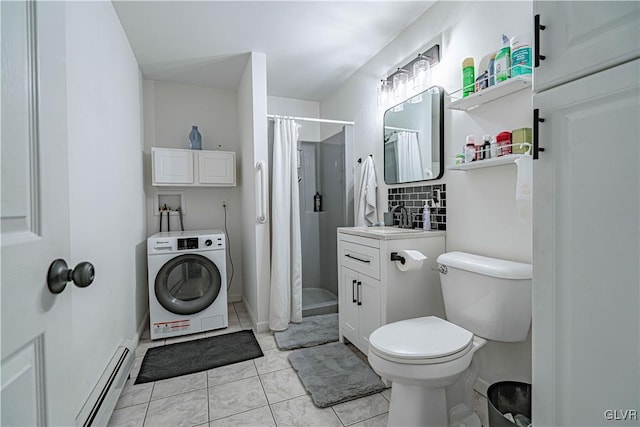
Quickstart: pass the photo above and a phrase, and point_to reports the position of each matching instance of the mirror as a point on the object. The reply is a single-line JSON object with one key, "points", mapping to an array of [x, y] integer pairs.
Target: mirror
{"points": [[414, 138]]}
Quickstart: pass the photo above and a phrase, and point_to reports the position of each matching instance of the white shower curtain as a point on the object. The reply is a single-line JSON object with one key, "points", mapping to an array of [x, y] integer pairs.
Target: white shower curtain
{"points": [[286, 252], [409, 157]]}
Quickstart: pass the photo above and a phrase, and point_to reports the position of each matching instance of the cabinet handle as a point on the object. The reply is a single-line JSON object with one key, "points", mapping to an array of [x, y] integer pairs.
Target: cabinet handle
{"points": [[359, 295], [536, 146], [537, 28], [353, 290], [358, 259]]}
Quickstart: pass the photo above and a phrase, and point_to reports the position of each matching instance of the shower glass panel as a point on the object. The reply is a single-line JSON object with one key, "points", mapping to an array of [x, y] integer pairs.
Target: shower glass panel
{"points": [[322, 169]]}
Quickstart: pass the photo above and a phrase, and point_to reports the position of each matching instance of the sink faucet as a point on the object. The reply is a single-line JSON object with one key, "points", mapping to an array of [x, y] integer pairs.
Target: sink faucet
{"points": [[405, 221]]}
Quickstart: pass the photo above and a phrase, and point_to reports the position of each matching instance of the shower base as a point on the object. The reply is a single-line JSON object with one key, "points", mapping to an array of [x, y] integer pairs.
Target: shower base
{"points": [[316, 301]]}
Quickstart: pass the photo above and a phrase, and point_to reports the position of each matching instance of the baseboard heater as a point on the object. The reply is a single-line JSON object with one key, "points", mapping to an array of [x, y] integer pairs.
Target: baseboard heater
{"points": [[102, 400]]}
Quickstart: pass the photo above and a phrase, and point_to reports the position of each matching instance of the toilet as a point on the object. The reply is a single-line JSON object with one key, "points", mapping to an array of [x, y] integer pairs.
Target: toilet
{"points": [[484, 299]]}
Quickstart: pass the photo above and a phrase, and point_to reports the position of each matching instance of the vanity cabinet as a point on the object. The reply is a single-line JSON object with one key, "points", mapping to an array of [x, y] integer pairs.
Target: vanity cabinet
{"points": [[176, 167], [361, 314], [373, 292]]}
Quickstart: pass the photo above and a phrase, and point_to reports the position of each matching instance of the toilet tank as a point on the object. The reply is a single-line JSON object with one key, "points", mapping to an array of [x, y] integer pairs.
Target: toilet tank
{"points": [[487, 296]]}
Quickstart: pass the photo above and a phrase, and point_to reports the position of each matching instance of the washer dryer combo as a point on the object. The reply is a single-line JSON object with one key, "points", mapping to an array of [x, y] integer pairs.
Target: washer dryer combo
{"points": [[187, 282]]}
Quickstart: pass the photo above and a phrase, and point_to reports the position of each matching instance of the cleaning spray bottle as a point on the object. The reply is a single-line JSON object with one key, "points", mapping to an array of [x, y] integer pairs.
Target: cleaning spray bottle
{"points": [[426, 216], [502, 63]]}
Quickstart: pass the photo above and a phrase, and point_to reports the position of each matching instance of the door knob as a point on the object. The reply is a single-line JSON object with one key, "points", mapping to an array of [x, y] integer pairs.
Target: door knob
{"points": [[59, 274]]}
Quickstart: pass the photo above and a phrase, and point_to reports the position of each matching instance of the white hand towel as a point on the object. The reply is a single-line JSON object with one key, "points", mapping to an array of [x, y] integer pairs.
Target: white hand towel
{"points": [[366, 203], [524, 187]]}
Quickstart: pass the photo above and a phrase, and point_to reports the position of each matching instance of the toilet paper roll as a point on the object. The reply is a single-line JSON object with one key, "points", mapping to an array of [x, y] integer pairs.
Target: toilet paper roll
{"points": [[412, 260]]}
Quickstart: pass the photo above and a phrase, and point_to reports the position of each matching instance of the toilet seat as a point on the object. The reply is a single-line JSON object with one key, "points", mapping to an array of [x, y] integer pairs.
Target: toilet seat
{"points": [[424, 340]]}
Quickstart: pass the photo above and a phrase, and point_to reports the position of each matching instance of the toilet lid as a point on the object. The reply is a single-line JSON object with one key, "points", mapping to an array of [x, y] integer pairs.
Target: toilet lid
{"points": [[421, 338]]}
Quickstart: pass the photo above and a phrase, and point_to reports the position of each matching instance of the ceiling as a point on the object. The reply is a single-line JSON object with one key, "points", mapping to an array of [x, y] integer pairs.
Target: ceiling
{"points": [[312, 47]]}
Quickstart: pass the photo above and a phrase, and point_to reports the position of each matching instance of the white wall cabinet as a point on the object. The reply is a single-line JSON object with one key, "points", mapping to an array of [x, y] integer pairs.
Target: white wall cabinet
{"points": [[582, 38], [373, 292], [175, 167], [586, 224]]}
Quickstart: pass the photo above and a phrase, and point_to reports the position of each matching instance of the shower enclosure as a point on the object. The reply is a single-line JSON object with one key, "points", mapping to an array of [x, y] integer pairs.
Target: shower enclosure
{"points": [[321, 169]]}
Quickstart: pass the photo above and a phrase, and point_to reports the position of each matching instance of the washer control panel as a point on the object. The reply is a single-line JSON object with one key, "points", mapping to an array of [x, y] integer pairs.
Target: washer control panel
{"points": [[185, 241], [188, 243]]}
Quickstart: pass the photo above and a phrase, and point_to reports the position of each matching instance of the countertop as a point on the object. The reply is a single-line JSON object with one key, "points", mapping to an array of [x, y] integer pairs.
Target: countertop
{"points": [[390, 233]]}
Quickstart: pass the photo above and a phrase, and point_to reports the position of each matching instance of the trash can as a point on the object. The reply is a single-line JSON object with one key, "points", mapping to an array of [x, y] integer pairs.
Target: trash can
{"points": [[509, 397]]}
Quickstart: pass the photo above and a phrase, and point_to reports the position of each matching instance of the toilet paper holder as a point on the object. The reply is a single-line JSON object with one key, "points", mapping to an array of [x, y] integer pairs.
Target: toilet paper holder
{"points": [[396, 257]]}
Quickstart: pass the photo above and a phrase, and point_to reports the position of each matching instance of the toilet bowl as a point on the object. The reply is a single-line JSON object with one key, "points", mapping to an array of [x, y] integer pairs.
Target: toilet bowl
{"points": [[423, 356]]}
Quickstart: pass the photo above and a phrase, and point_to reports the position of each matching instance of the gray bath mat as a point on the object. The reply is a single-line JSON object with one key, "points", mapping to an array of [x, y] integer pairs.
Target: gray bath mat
{"points": [[333, 374], [187, 357], [314, 330]]}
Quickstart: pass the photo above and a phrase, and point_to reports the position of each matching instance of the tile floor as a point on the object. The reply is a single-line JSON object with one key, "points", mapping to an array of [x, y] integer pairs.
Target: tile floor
{"points": [[260, 392]]}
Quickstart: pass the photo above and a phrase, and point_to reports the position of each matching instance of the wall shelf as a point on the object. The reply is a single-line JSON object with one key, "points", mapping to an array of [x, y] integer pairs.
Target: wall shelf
{"points": [[478, 164], [492, 93]]}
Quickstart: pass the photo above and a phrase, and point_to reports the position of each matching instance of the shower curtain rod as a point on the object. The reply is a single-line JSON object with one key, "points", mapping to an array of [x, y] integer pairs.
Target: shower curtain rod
{"points": [[308, 119], [401, 129]]}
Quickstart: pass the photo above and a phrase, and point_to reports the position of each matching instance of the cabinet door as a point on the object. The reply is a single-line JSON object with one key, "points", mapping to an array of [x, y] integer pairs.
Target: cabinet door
{"points": [[586, 249], [585, 37], [348, 304], [369, 312], [217, 167], [172, 166]]}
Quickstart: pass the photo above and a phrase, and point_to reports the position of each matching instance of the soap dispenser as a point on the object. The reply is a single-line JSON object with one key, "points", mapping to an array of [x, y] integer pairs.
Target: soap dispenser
{"points": [[426, 216]]}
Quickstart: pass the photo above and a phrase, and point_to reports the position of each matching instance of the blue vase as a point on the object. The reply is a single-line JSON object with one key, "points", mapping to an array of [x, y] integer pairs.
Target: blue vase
{"points": [[195, 139]]}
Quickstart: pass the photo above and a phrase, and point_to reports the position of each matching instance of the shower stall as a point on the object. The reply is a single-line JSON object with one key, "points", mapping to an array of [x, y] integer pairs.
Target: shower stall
{"points": [[322, 170]]}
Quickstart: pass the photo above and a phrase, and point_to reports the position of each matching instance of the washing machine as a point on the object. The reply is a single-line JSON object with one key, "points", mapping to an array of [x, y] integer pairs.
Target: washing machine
{"points": [[187, 282]]}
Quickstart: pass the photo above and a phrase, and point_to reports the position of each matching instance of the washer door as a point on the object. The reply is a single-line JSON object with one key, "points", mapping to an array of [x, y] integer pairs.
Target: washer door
{"points": [[188, 284]]}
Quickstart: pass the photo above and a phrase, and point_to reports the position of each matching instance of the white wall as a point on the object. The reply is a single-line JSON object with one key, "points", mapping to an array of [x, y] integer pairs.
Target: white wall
{"points": [[106, 194], [252, 120], [170, 109], [481, 209], [310, 131]]}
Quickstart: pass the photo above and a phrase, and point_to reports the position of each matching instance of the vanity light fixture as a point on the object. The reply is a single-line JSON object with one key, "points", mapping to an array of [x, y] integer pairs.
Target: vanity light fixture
{"points": [[384, 93], [403, 84], [400, 82]]}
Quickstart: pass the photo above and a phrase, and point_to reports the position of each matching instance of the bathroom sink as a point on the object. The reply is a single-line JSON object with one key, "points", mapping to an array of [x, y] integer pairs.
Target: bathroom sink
{"points": [[389, 230], [390, 233]]}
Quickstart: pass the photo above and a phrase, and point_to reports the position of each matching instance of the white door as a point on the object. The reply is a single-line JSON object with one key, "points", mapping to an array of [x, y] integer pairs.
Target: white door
{"points": [[584, 37], [348, 303], [37, 356], [586, 252], [369, 309]]}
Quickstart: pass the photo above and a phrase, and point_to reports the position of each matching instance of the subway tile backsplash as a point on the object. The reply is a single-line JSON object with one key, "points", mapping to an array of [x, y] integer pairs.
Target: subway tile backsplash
{"points": [[413, 199]]}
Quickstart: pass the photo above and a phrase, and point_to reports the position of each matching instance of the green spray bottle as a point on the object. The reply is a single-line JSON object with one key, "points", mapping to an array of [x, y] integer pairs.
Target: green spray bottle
{"points": [[502, 63]]}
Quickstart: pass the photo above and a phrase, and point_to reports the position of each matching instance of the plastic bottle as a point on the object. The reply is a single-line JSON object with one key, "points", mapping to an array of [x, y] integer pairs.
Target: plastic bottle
{"points": [[486, 146], [520, 55], [426, 217], [195, 139], [494, 148], [492, 70], [470, 149], [317, 202], [504, 143], [468, 77], [479, 151], [502, 63]]}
